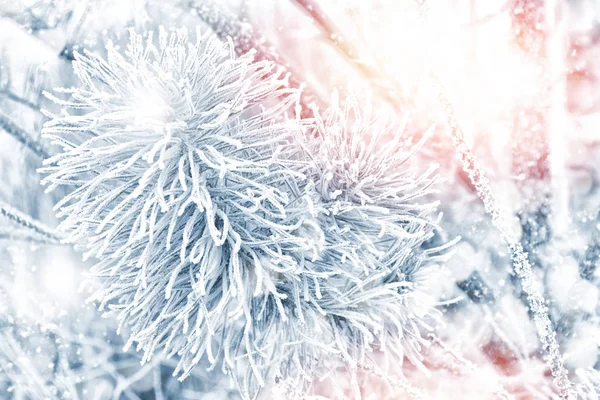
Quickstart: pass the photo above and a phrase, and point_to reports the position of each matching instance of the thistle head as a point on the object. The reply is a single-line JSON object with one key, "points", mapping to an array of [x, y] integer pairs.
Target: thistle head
{"points": [[170, 151], [371, 273]]}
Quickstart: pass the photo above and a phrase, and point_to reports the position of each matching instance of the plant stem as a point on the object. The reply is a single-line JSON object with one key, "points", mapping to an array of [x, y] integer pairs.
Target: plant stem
{"points": [[28, 223], [389, 91], [22, 137], [521, 265], [20, 100]]}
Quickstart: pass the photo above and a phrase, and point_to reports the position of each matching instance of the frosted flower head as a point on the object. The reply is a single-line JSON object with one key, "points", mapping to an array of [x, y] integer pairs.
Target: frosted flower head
{"points": [[171, 154], [372, 269], [365, 190], [360, 156]]}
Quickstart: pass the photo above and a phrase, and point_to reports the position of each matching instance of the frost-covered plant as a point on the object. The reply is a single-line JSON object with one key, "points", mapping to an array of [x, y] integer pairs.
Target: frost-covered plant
{"points": [[219, 236], [373, 260], [79, 356], [177, 191], [361, 290]]}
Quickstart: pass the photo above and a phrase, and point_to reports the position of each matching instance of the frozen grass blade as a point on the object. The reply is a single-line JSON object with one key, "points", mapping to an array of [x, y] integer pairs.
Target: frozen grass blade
{"points": [[22, 137], [28, 223], [521, 265]]}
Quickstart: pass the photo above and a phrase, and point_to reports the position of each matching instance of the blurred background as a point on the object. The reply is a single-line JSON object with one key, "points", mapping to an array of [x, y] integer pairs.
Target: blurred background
{"points": [[523, 79]]}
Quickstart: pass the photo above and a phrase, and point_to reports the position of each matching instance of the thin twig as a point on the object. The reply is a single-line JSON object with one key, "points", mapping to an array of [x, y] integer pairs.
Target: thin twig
{"points": [[486, 18], [520, 261], [25, 237], [28, 223], [387, 88], [22, 137], [521, 265], [20, 100]]}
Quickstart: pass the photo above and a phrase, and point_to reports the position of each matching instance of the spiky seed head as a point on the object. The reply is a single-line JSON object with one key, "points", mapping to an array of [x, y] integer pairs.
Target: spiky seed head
{"points": [[377, 222], [170, 151]]}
